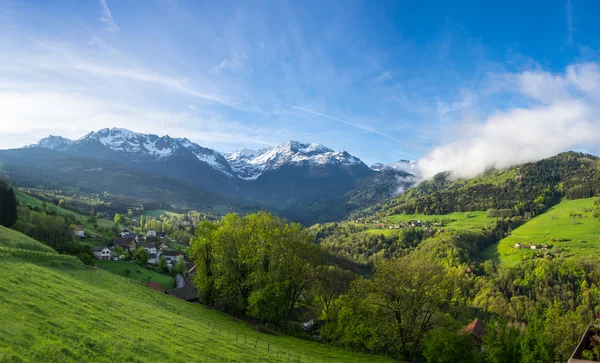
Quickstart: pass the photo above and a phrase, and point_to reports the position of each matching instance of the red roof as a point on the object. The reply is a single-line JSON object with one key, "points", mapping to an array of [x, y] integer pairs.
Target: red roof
{"points": [[476, 328], [154, 285], [79, 227]]}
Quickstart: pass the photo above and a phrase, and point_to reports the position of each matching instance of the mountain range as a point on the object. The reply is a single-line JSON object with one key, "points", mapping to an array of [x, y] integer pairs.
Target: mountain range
{"points": [[307, 182]]}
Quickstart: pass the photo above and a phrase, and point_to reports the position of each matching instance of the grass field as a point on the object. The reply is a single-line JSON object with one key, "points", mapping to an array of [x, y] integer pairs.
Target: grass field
{"points": [[119, 267], [14, 239], [457, 220], [89, 227], [72, 314], [155, 213], [570, 220]]}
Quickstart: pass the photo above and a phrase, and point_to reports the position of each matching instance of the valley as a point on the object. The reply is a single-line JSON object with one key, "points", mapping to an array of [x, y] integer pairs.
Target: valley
{"points": [[291, 288]]}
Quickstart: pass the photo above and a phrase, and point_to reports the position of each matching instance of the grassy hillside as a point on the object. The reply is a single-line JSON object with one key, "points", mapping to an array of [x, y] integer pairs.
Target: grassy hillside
{"points": [[14, 239], [136, 272], [569, 229], [89, 227], [457, 220], [72, 314], [158, 212]]}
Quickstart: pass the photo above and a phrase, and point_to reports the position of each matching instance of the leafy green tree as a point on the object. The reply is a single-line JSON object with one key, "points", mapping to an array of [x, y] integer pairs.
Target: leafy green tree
{"points": [[141, 256], [119, 251], [501, 342], [330, 282], [8, 205], [443, 346], [536, 344], [162, 265], [201, 251], [119, 219], [394, 311]]}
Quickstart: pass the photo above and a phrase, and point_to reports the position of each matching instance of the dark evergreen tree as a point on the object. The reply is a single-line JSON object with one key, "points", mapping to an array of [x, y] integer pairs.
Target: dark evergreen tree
{"points": [[8, 205]]}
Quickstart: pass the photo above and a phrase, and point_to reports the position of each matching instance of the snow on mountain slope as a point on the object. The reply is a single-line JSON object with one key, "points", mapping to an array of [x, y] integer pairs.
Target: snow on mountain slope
{"points": [[209, 156], [251, 164], [401, 165], [50, 142], [244, 164]]}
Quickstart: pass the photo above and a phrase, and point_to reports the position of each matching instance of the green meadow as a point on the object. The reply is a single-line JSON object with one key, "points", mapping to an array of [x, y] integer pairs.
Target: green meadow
{"points": [[14, 239], [136, 272], [155, 213], [456, 220], [57, 310], [569, 229], [89, 227]]}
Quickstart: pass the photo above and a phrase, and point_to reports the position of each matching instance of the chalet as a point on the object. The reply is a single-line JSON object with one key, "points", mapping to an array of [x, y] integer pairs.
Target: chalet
{"points": [[161, 235], [102, 252], [518, 245], [79, 231], [151, 233], [173, 256], [533, 247], [129, 235], [150, 247], [188, 293], [125, 243], [152, 258], [477, 330]]}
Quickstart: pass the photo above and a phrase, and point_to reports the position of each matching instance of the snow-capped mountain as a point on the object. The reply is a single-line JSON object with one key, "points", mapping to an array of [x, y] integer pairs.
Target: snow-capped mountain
{"points": [[50, 142], [407, 166], [305, 182], [242, 164], [250, 164]]}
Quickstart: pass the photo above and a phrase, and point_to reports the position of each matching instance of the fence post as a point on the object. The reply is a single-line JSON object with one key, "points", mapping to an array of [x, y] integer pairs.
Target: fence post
{"points": [[256, 343], [288, 356], [268, 348], [244, 338], [237, 332]]}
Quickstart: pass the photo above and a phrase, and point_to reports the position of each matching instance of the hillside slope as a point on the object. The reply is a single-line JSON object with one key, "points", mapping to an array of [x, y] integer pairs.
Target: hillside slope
{"points": [[74, 315], [14, 239], [524, 188], [569, 229]]}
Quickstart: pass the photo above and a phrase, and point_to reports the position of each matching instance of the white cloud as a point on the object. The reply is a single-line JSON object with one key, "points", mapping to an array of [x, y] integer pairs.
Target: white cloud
{"points": [[108, 18], [234, 63], [565, 116]]}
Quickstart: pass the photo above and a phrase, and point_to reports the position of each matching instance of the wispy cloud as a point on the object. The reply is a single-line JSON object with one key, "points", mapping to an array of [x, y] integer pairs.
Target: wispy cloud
{"points": [[383, 77], [360, 127], [234, 62], [108, 18]]}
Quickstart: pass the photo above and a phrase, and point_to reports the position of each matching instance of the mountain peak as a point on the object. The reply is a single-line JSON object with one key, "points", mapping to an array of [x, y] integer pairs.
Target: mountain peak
{"points": [[244, 163]]}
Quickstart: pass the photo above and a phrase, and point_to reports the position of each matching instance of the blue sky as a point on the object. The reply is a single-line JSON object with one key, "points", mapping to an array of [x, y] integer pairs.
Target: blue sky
{"points": [[382, 80]]}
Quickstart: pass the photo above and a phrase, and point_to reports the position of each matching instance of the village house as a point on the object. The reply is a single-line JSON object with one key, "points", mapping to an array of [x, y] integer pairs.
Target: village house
{"points": [[153, 258], [533, 247], [125, 243], [102, 253], [161, 235], [79, 231], [517, 245], [151, 233], [173, 256], [477, 330], [150, 248]]}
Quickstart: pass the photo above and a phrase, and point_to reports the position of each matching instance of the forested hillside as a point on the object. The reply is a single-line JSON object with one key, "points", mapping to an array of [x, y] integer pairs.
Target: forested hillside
{"points": [[526, 189]]}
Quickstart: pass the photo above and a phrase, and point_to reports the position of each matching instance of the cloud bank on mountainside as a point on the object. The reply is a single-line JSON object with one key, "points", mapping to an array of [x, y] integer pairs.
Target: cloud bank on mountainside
{"points": [[562, 113]]}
